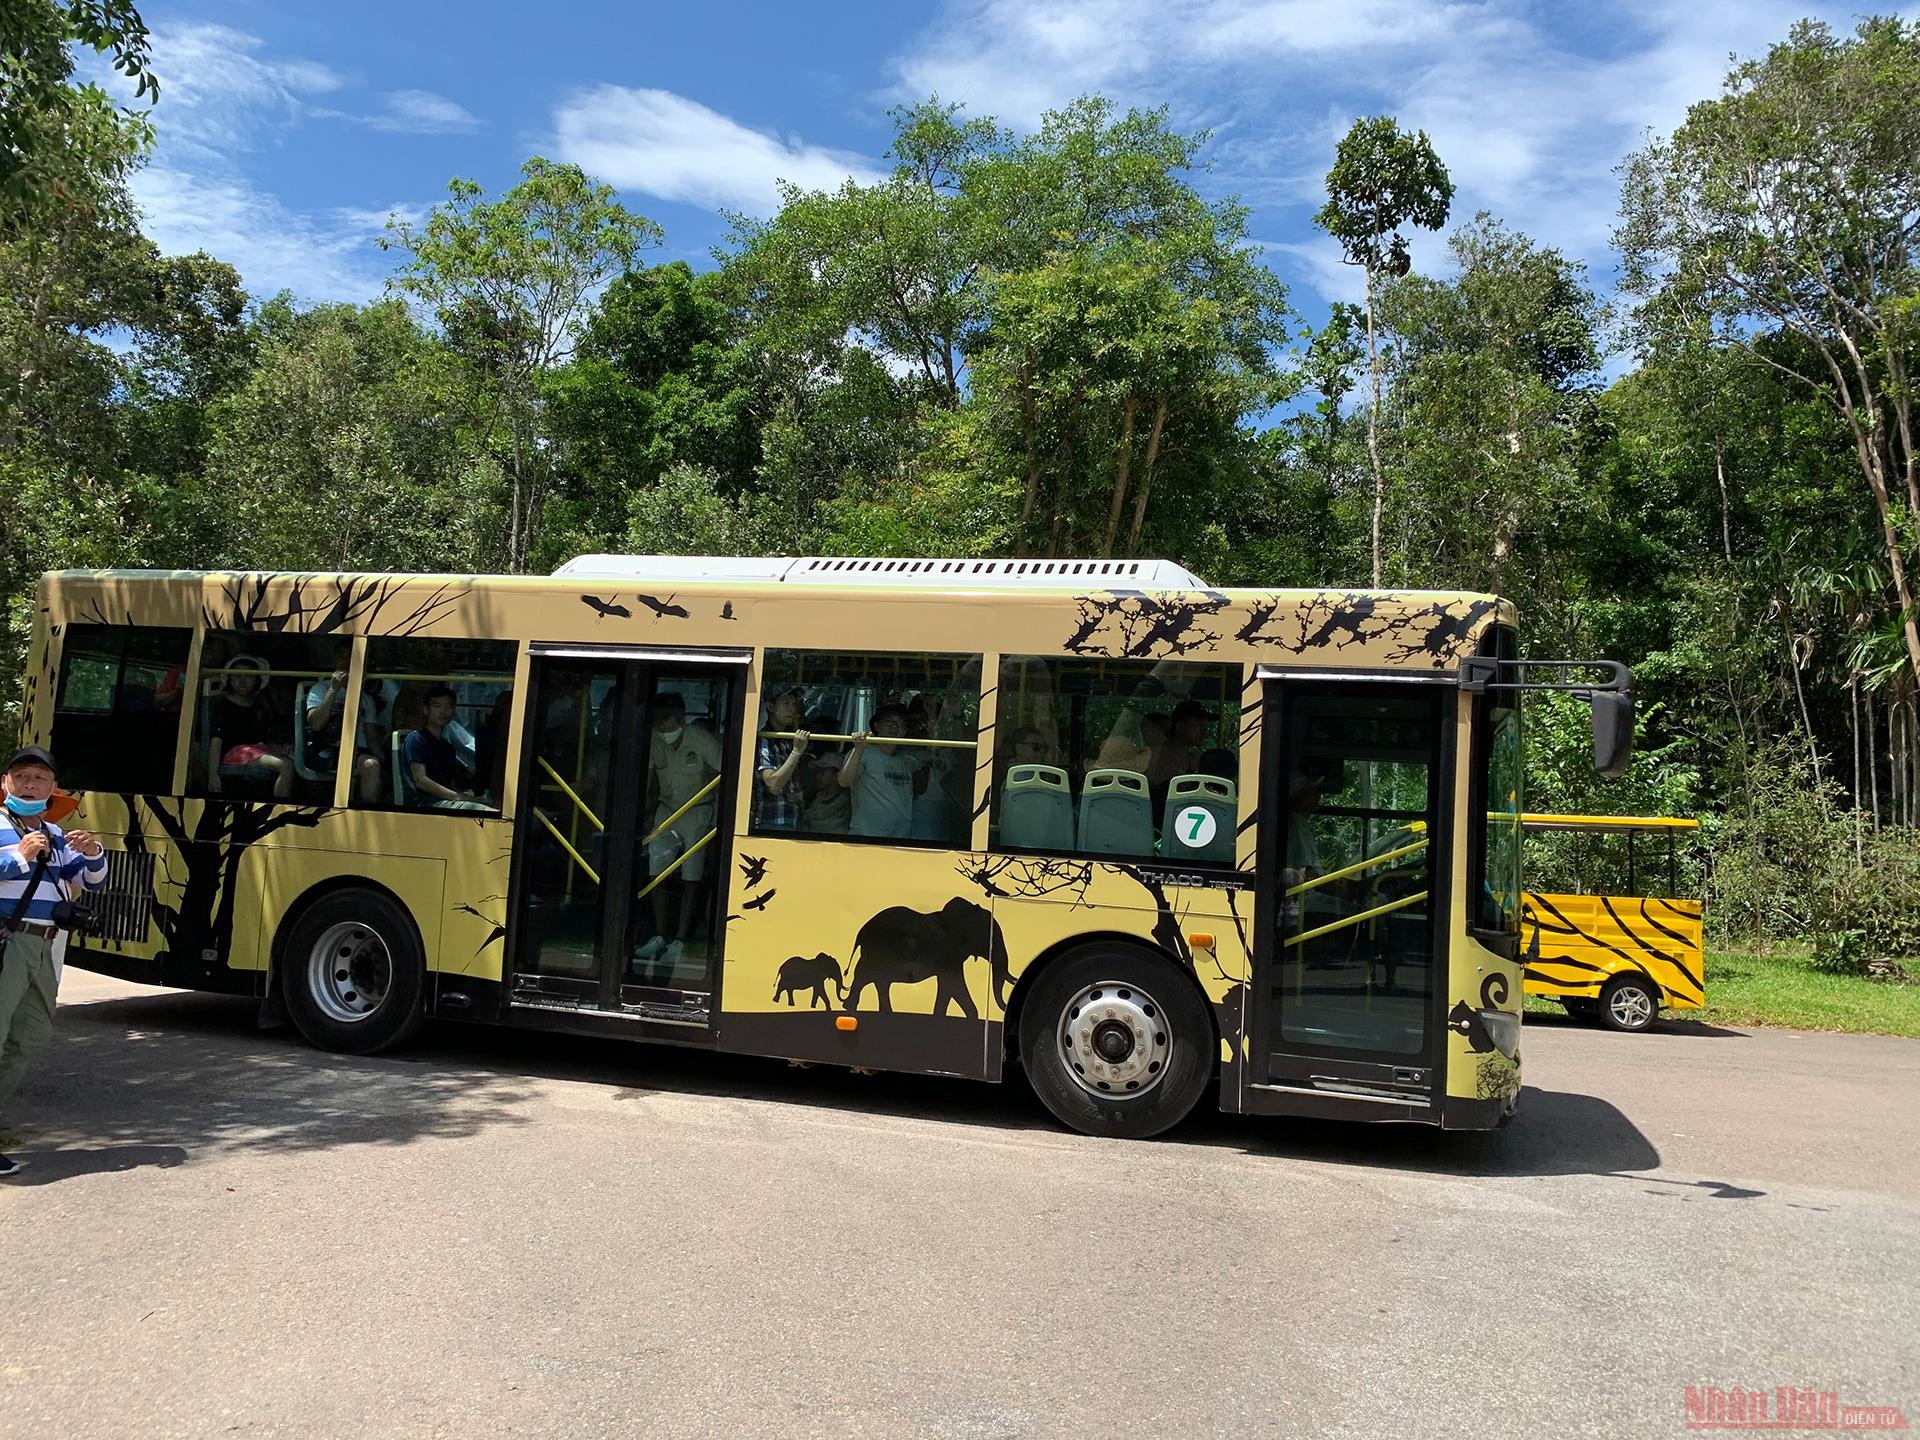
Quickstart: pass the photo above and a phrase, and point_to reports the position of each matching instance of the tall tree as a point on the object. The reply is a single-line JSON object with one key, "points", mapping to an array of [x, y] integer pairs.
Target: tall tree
{"points": [[509, 282], [1129, 325], [1792, 203], [657, 381], [1382, 178], [1495, 371]]}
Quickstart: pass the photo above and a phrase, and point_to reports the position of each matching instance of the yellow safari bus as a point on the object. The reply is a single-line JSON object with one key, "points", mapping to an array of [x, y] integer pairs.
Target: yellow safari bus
{"points": [[1093, 818], [1623, 947]]}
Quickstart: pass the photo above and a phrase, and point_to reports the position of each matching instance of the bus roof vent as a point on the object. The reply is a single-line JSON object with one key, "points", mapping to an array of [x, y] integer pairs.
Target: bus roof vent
{"points": [[901, 572]]}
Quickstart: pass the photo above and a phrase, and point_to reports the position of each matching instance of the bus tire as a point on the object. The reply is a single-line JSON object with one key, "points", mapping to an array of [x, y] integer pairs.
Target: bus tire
{"points": [[353, 973], [1116, 1042], [1629, 1003]]}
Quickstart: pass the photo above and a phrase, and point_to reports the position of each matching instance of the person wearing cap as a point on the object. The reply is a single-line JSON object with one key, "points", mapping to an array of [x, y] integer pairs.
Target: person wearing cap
{"points": [[779, 794], [29, 890], [246, 733]]}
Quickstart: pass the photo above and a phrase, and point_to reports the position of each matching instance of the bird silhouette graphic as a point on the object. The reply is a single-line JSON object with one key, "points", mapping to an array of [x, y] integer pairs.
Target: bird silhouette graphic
{"points": [[726, 612], [759, 902], [499, 930], [753, 869], [606, 608], [663, 608]]}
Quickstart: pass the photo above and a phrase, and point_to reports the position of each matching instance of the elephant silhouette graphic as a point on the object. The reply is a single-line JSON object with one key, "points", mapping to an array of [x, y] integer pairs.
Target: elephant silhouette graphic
{"points": [[903, 947], [800, 973]]}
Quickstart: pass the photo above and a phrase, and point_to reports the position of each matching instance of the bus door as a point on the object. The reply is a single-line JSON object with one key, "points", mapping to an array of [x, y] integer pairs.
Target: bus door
{"points": [[1349, 968], [621, 845]]}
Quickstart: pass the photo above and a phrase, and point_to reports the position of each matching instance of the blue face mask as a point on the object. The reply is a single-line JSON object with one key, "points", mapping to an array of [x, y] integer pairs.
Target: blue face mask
{"points": [[25, 807]]}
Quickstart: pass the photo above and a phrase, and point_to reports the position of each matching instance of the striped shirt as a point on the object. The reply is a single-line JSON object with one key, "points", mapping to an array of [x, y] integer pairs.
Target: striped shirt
{"points": [[64, 863]]}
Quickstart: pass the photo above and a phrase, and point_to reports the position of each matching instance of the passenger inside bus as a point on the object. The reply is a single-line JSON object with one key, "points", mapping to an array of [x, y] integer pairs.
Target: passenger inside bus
{"points": [[436, 776], [881, 777], [249, 733], [682, 761], [779, 797], [324, 706]]}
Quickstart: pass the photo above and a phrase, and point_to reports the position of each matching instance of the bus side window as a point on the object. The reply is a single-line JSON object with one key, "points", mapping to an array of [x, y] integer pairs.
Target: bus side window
{"points": [[435, 715], [910, 782], [251, 696], [1118, 757], [116, 713]]}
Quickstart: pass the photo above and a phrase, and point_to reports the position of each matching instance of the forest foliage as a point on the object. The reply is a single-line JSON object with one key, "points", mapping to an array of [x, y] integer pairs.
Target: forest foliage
{"points": [[1055, 343]]}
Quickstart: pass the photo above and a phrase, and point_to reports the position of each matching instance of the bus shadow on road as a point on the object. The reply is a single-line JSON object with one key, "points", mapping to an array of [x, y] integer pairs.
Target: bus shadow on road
{"points": [[1555, 1133], [158, 1079]]}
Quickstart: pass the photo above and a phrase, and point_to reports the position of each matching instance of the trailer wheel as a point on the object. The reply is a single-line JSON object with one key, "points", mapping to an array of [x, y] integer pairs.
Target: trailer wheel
{"points": [[1628, 1003]]}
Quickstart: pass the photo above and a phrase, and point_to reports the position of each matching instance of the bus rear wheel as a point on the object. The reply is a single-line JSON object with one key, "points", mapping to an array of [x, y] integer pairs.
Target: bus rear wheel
{"points": [[352, 972], [1116, 1042], [1629, 1003]]}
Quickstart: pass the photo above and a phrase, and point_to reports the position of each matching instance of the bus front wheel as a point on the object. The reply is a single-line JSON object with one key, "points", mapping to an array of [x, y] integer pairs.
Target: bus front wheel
{"points": [[1628, 1003], [1116, 1042], [352, 972]]}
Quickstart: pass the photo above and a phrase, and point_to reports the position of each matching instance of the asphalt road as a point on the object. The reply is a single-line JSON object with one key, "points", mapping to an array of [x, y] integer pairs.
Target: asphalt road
{"points": [[222, 1232]]}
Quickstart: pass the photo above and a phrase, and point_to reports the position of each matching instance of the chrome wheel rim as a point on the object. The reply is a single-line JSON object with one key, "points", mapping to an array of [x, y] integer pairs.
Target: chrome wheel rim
{"points": [[1631, 1007], [1115, 1040], [349, 972]]}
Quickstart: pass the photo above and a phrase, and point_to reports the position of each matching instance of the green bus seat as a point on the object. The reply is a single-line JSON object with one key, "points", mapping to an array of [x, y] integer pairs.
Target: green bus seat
{"points": [[1036, 809], [1216, 797], [1116, 813]]}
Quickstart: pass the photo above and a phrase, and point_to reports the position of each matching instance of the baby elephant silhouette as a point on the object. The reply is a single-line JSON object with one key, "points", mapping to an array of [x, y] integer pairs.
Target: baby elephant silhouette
{"points": [[800, 973]]}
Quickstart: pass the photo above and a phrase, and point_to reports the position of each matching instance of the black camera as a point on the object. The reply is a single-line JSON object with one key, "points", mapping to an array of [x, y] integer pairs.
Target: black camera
{"points": [[75, 915]]}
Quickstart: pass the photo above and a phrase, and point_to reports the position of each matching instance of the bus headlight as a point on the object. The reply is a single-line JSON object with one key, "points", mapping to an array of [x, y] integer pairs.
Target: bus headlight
{"points": [[1503, 1029]]}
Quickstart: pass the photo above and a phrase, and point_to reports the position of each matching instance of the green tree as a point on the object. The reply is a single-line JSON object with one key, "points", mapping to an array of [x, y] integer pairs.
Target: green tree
{"points": [[1494, 375], [340, 451], [508, 282], [1792, 203], [657, 380], [1129, 326], [45, 120], [1382, 178]]}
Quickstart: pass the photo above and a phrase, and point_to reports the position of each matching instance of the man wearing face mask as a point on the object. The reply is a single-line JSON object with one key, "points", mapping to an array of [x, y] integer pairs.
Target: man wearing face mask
{"points": [[681, 760], [36, 861]]}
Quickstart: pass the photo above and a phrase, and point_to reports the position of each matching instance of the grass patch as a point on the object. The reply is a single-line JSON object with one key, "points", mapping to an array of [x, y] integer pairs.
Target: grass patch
{"points": [[1779, 987]]}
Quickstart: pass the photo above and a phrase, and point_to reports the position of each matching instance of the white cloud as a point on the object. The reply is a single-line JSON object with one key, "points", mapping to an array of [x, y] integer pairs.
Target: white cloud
{"points": [[414, 112], [332, 256], [1318, 263], [663, 144], [218, 92], [222, 97], [1531, 107], [424, 112]]}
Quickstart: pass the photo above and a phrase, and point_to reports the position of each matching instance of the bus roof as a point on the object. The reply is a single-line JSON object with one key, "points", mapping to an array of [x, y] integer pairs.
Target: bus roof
{"points": [[1607, 822], [866, 570]]}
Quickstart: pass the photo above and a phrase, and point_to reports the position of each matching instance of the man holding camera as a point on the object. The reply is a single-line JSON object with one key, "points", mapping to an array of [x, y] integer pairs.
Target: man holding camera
{"points": [[39, 866]]}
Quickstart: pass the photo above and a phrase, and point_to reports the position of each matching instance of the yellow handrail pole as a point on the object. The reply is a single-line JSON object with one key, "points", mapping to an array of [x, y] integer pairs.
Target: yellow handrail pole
{"points": [[667, 824], [567, 790], [679, 860], [1348, 920], [876, 739], [579, 765], [1332, 875], [578, 859]]}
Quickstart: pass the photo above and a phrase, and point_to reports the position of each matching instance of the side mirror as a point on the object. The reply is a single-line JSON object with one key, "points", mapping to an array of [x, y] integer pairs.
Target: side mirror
{"points": [[1612, 731]]}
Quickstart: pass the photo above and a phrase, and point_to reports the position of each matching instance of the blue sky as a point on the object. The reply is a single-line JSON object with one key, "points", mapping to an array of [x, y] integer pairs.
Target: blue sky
{"points": [[288, 133]]}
